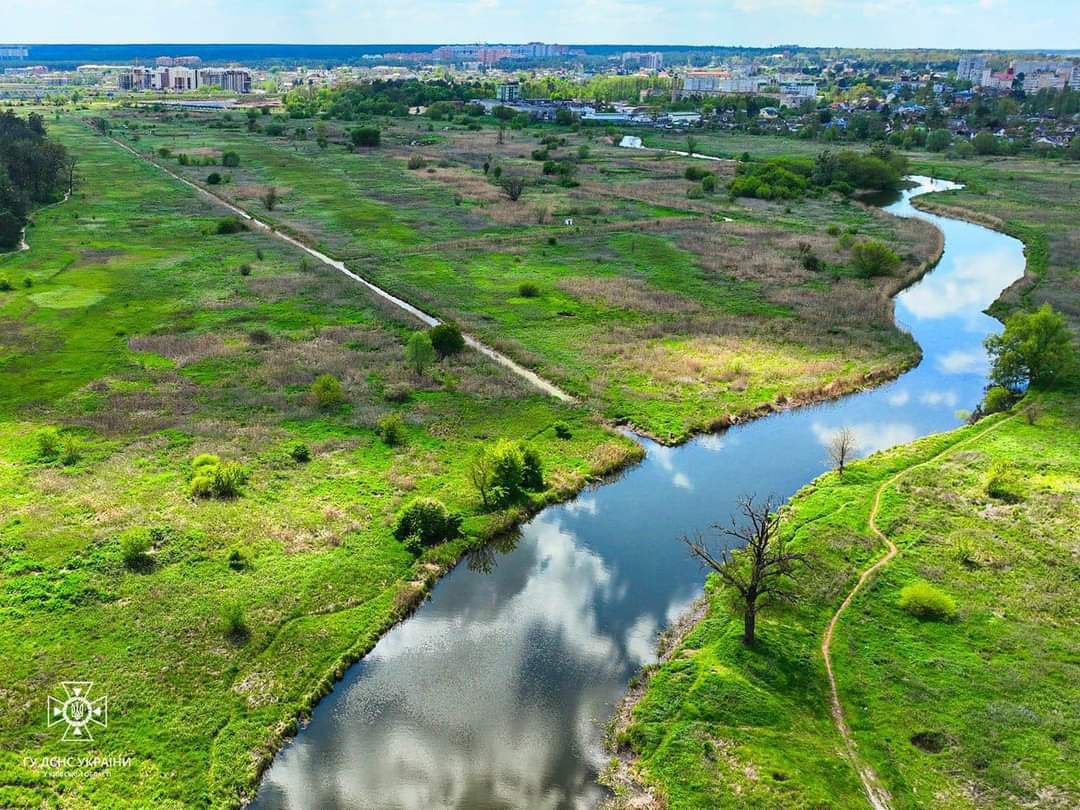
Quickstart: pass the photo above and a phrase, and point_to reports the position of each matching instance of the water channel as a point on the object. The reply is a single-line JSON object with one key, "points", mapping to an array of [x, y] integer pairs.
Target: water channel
{"points": [[495, 693]]}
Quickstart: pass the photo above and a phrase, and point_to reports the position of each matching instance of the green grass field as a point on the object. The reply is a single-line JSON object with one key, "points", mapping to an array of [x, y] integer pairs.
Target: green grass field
{"points": [[974, 712], [669, 312], [142, 341]]}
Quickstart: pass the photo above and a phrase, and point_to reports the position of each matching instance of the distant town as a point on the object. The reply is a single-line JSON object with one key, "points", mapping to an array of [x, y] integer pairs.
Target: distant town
{"points": [[1028, 101]]}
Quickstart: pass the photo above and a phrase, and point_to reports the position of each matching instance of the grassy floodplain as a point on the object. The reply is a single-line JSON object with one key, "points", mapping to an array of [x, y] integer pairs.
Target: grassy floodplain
{"points": [[977, 712], [144, 341], [669, 312]]}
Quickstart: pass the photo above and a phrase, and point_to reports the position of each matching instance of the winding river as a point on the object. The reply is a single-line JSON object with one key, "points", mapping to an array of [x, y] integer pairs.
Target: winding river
{"points": [[495, 693]]}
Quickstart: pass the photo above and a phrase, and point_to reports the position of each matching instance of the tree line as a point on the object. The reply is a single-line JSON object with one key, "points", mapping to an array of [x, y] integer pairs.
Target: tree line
{"points": [[33, 170]]}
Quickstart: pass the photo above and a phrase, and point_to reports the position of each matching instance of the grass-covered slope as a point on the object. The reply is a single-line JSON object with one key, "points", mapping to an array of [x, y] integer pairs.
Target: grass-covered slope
{"points": [[144, 341], [979, 711]]}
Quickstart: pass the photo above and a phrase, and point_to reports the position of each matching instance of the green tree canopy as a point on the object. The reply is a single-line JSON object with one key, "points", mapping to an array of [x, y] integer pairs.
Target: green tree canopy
{"points": [[1035, 349]]}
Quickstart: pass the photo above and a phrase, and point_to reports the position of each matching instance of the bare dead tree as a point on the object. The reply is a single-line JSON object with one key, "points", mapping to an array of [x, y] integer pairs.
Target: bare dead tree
{"points": [[842, 448], [761, 570], [513, 187], [270, 198]]}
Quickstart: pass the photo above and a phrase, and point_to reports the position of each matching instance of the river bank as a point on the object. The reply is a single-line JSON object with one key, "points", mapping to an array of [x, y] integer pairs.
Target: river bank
{"points": [[607, 534]]}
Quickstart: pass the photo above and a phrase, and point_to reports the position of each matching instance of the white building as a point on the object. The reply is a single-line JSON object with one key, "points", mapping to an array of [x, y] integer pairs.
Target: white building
{"points": [[705, 83], [970, 68], [794, 93], [179, 79]]}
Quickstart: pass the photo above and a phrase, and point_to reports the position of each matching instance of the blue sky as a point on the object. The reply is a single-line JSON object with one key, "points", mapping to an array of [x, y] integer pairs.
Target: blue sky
{"points": [[869, 23]]}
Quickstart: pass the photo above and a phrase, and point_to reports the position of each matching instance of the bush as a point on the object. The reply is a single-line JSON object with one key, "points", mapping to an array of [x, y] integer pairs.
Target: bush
{"points": [[365, 136], [428, 520], [833, 229], [212, 478], [245, 269], [923, 600], [300, 453], [528, 289], [446, 339], [213, 179], [70, 452], [392, 429], [532, 477], [694, 173], [259, 337], [326, 392], [562, 430], [708, 183], [229, 225], [48, 444], [134, 545], [230, 159], [233, 623], [416, 162], [238, 559], [997, 399], [874, 258], [5, 285], [398, 392], [1000, 484]]}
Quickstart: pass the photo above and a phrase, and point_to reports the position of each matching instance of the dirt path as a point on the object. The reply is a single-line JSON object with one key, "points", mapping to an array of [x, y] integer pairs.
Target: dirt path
{"points": [[875, 790], [425, 318], [23, 244]]}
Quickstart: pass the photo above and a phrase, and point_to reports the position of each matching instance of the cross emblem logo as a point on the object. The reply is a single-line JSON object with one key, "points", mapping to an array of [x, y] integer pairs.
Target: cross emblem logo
{"points": [[78, 711]]}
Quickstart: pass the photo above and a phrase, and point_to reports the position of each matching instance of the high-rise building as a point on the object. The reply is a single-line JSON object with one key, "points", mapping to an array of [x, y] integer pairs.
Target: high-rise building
{"points": [[970, 68]]}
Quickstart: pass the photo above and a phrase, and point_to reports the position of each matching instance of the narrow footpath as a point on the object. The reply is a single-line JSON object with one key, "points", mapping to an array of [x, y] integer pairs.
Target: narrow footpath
{"points": [[875, 790]]}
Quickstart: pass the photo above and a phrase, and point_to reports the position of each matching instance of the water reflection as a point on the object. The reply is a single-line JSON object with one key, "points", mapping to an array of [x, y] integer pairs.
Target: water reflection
{"points": [[494, 694]]}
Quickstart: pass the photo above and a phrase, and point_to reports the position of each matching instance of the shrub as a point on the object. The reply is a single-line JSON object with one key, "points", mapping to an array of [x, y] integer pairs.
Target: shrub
{"points": [[997, 399], [28, 282], [245, 269], [427, 519], [392, 429], [562, 430], [551, 240], [810, 261], [365, 136], [874, 258], [212, 478], [416, 162], [213, 179], [229, 225], [708, 183], [300, 453], [1000, 484], [233, 623], [48, 444], [446, 339], [833, 229], [134, 545], [326, 392], [5, 285], [70, 452], [259, 337], [398, 392], [694, 173], [528, 289], [923, 600], [238, 559], [230, 159], [532, 477]]}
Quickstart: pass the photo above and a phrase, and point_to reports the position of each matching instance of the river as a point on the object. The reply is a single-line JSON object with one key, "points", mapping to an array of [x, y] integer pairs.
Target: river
{"points": [[495, 693]]}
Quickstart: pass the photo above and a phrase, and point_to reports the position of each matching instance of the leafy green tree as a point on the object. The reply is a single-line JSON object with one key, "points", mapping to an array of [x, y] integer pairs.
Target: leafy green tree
{"points": [[1036, 349], [365, 136], [938, 140], [419, 353], [446, 339], [985, 144]]}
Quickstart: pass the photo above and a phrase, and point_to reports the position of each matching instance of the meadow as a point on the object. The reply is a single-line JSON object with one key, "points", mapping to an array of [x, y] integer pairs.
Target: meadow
{"points": [[137, 338], [659, 306], [975, 710]]}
